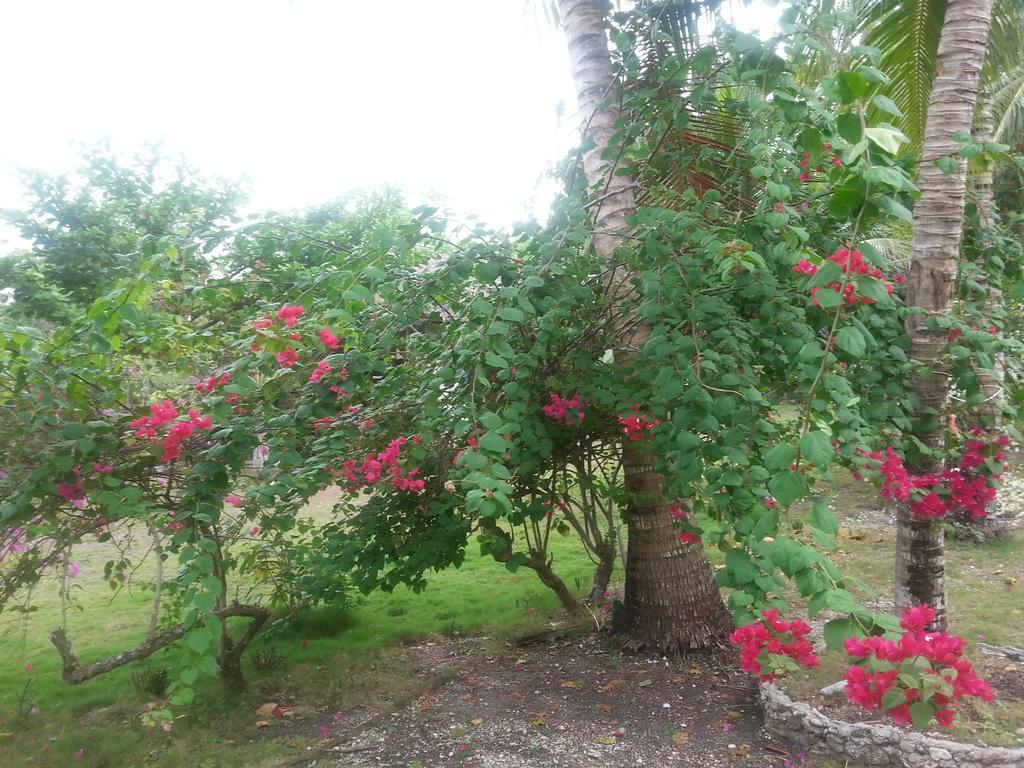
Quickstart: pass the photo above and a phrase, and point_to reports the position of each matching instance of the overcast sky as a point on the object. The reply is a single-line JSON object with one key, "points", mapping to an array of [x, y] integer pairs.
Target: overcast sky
{"points": [[468, 100]]}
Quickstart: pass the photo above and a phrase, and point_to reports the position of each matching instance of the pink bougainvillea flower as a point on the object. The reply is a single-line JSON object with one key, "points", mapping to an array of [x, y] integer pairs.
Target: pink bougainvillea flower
{"points": [[290, 314], [233, 499], [568, 411], [287, 358], [74, 569], [323, 368], [254, 531], [72, 492], [328, 339]]}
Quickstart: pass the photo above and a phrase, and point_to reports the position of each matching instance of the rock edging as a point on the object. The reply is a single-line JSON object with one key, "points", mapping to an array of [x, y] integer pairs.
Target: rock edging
{"points": [[881, 745]]}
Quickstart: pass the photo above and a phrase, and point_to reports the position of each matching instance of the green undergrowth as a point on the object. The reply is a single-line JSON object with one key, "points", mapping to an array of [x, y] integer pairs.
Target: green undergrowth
{"points": [[335, 659]]}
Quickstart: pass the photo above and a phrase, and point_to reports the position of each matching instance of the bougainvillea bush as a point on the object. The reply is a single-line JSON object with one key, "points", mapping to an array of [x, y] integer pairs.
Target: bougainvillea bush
{"points": [[917, 678], [469, 385]]}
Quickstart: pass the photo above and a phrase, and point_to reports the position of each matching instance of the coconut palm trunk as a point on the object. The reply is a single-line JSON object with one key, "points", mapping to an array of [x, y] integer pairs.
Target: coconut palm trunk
{"points": [[989, 414], [937, 231], [671, 602]]}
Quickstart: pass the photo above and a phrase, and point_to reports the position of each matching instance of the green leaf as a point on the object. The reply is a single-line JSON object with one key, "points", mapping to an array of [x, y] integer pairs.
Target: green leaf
{"points": [[948, 165], [495, 360], [920, 714], [492, 441], [516, 561], [886, 104], [824, 540], [787, 487], [75, 431], [893, 698], [848, 125], [893, 208], [851, 86], [780, 457], [183, 697], [822, 518], [767, 524], [871, 288], [491, 420], [837, 630], [851, 340], [512, 314], [887, 138], [890, 177], [198, 639], [481, 307], [816, 447], [828, 298]]}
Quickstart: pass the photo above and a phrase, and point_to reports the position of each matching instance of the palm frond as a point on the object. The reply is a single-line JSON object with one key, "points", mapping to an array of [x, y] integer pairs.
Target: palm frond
{"points": [[907, 33], [895, 250], [1007, 100]]}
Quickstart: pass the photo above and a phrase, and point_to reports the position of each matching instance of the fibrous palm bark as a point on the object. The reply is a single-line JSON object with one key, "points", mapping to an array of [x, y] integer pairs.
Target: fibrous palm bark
{"points": [[671, 602], [937, 231]]}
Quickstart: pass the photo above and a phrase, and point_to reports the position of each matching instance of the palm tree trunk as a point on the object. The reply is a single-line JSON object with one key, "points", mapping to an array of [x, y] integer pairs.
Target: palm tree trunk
{"points": [[937, 231], [671, 602], [989, 414]]}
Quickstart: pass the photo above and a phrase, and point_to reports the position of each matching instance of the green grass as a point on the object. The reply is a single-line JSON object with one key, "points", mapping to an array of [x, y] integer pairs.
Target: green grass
{"points": [[336, 660]]}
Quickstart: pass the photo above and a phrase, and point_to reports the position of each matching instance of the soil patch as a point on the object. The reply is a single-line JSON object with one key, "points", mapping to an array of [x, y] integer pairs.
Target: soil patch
{"points": [[573, 703]]}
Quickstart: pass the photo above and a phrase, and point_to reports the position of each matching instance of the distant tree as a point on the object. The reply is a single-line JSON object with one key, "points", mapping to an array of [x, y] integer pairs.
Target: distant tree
{"points": [[88, 229]]}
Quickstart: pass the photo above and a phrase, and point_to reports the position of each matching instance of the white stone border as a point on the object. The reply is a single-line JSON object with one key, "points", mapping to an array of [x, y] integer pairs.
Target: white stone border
{"points": [[875, 744]]}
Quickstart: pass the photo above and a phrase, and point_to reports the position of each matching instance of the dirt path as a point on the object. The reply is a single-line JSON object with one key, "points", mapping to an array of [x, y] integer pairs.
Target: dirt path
{"points": [[568, 704]]}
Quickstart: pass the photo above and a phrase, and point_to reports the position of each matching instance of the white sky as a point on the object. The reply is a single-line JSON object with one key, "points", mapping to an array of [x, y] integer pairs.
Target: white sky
{"points": [[304, 98]]}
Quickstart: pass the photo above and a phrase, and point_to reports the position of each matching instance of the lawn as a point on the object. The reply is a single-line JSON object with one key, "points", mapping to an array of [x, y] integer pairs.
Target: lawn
{"points": [[333, 661]]}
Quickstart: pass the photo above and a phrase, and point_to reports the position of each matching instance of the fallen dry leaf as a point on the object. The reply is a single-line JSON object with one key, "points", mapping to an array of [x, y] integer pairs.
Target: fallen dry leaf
{"points": [[266, 710], [607, 740], [613, 685], [681, 738], [476, 721]]}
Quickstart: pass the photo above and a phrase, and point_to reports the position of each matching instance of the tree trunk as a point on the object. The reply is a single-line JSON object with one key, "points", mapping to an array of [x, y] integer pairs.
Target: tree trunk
{"points": [[605, 552], [75, 673], [541, 565], [671, 603], [937, 231], [988, 415]]}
